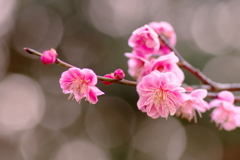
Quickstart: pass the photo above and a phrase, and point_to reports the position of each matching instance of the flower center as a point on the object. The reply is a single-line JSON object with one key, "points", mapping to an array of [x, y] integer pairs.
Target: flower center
{"points": [[79, 88], [164, 101]]}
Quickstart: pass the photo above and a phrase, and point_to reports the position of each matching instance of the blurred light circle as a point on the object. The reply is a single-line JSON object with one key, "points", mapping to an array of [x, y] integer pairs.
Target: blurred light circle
{"points": [[9, 151], [185, 13], [216, 70], [160, 139], [8, 9], [47, 76], [37, 27], [177, 144], [228, 23], [83, 48], [204, 29], [50, 83], [116, 18], [28, 145], [160, 10], [60, 112], [81, 150], [22, 102], [40, 141], [110, 123], [202, 143], [4, 60]]}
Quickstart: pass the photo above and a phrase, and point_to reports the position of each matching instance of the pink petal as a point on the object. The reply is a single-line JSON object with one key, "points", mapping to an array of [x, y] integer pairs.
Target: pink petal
{"points": [[75, 73], [97, 91], [215, 103], [228, 106], [229, 125], [200, 93], [202, 107], [90, 76], [153, 113], [92, 97], [226, 96], [179, 75], [141, 102], [164, 79]]}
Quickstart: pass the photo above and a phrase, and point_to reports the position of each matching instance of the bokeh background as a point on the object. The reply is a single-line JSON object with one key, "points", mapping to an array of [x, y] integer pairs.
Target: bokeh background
{"points": [[37, 122]]}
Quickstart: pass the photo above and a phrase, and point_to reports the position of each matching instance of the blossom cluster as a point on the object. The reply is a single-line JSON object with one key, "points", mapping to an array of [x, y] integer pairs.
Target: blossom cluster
{"points": [[159, 80]]}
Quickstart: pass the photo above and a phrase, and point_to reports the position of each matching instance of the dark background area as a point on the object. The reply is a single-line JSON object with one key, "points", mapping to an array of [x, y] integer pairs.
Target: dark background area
{"points": [[37, 122]]}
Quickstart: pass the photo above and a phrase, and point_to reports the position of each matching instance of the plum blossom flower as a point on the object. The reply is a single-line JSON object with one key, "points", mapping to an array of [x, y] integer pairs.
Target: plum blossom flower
{"points": [[193, 102], [80, 83], [141, 65], [146, 39], [165, 63], [159, 94], [136, 63], [166, 29], [49, 56], [226, 115]]}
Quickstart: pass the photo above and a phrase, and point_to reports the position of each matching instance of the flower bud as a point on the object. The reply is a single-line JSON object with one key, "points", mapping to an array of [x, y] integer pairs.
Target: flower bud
{"points": [[108, 76], [119, 74], [49, 56]]}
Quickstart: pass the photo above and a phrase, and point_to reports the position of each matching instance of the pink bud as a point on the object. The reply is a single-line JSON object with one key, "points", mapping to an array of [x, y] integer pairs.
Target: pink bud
{"points": [[119, 74], [49, 56], [108, 76]]}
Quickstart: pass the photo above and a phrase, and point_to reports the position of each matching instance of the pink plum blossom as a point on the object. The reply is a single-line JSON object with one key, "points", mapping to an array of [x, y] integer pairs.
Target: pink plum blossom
{"points": [[80, 83], [165, 63], [159, 94], [193, 102], [146, 39], [226, 114], [136, 63], [166, 29], [141, 65], [49, 56]]}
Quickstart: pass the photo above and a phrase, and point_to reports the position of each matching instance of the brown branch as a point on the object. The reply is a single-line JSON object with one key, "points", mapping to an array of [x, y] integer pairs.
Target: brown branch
{"points": [[132, 83], [100, 78], [213, 86]]}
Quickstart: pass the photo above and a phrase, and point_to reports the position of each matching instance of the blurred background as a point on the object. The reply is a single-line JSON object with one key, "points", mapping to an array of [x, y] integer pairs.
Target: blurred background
{"points": [[37, 122]]}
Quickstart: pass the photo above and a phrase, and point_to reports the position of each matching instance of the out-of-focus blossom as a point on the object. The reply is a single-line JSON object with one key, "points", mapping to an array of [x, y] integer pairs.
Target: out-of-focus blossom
{"points": [[165, 63], [193, 102], [146, 39], [49, 56], [226, 114], [119, 74], [136, 63], [167, 30], [80, 83], [108, 76], [141, 65], [160, 94]]}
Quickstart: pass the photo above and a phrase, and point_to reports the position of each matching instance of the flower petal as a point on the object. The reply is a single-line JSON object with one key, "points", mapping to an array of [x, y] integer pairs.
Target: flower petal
{"points": [[226, 96], [92, 97], [200, 93], [90, 76]]}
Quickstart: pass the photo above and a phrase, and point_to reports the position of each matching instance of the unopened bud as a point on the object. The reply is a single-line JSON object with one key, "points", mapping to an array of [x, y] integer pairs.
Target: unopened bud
{"points": [[49, 56], [119, 74], [108, 76]]}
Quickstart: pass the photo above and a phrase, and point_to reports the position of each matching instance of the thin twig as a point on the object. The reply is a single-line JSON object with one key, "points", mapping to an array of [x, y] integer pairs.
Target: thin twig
{"points": [[100, 78], [214, 86]]}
